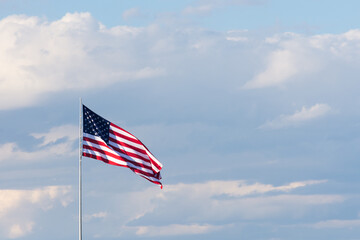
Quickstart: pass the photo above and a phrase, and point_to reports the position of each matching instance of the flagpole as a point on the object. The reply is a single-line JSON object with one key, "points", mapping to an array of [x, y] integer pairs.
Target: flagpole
{"points": [[80, 182]]}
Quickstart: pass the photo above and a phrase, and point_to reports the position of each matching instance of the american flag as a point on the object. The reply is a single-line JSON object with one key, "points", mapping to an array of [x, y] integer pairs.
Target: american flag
{"points": [[103, 140]]}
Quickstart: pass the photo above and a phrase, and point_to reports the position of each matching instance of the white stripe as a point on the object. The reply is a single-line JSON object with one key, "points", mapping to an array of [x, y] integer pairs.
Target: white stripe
{"points": [[120, 139], [120, 162], [134, 159], [155, 160], [135, 145], [109, 150], [115, 129], [148, 156], [107, 157], [99, 139], [126, 149], [154, 168]]}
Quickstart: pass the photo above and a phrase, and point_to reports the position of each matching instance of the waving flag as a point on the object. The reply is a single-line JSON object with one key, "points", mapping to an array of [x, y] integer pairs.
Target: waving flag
{"points": [[103, 140]]}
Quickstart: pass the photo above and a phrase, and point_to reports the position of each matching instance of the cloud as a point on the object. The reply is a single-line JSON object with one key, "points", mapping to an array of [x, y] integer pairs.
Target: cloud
{"points": [[222, 200], [176, 230], [207, 6], [279, 206], [352, 223], [50, 147], [42, 197], [203, 208], [73, 53], [20, 208], [77, 52], [282, 65], [237, 188], [299, 117], [70, 132], [131, 13], [17, 230], [291, 55], [99, 215], [226, 199], [237, 36], [202, 9], [12, 151]]}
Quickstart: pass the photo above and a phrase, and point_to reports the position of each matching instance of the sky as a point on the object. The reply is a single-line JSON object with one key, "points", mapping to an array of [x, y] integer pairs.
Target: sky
{"points": [[252, 107]]}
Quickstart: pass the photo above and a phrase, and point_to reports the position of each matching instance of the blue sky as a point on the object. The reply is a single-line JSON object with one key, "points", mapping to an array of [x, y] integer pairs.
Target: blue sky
{"points": [[251, 106], [319, 16]]}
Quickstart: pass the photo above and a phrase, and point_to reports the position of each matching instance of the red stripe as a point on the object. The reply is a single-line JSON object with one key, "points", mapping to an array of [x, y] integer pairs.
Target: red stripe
{"points": [[125, 137], [155, 164], [116, 164], [102, 159], [116, 126], [152, 161], [116, 149], [137, 141], [136, 149], [159, 183], [156, 182], [127, 145], [101, 143], [139, 172], [115, 156], [129, 153], [112, 146]]}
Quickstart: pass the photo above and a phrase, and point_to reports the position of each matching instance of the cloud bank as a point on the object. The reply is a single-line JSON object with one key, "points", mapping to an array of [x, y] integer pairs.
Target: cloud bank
{"points": [[79, 53], [207, 207]]}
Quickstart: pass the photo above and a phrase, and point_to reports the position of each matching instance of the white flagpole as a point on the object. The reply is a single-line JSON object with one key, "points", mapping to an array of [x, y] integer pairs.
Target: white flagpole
{"points": [[80, 157]]}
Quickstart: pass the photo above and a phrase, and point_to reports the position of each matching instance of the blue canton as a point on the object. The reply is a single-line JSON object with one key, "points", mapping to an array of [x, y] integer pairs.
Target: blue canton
{"points": [[95, 125]]}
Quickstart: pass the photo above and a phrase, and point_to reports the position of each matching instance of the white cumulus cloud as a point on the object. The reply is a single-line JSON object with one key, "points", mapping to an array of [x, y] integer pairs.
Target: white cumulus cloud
{"points": [[74, 53], [282, 65], [291, 55]]}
